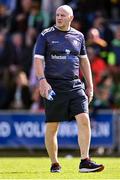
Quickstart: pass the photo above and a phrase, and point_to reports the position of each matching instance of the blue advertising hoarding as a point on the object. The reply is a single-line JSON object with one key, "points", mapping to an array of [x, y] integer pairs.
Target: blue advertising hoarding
{"points": [[26, 130]]}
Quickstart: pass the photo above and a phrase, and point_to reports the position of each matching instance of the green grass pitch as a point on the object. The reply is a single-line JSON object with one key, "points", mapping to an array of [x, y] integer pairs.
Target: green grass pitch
{"points": [[38, 168]]}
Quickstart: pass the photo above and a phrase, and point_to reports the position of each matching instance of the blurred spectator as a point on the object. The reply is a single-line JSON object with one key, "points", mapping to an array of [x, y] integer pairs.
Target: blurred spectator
{"points": [[94, 40], [7, 83], [5, 52], [10, 4], [3, 91], [103, 96], [18, 49], [76, 24], [30, 37], [19, 19], [22, 55], [98, 66], [38, 18], [4, 19], [114, 54], [116, 92], [21, 94], [101, 24], [115, 9], [114, 61]]}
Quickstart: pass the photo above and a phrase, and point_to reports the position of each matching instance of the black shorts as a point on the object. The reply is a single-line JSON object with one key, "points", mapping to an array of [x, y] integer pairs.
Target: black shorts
{"points": [[66, 105]]}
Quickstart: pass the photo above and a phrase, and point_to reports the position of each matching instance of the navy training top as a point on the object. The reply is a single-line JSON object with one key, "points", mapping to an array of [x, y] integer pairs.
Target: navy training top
{"points": [[61, 51]]}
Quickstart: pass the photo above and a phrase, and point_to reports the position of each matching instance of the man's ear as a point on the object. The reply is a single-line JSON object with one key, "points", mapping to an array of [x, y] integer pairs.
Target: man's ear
{"points": [[71, 18]]}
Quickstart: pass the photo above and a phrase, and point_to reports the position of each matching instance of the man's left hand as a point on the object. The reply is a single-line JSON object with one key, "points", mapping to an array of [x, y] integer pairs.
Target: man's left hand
{"points": [[89, 93]]}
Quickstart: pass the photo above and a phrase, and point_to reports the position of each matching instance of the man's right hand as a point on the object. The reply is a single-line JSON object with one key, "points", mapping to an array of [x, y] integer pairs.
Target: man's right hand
{"points": [[44, 88]]}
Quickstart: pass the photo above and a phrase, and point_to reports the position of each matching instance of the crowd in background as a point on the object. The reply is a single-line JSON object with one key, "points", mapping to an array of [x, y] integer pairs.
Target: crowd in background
{"points": [[20, 23]]}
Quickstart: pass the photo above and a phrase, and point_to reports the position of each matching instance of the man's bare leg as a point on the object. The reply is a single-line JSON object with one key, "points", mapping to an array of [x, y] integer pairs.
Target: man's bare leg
{"points": [[84, 134], [51, 141]]}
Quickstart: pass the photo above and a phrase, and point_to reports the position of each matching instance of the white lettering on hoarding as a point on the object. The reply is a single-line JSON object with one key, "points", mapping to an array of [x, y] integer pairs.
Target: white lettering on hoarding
{"points": [[5, 129], [35, 129], [29, 129], [100, 129], [68, 129]]}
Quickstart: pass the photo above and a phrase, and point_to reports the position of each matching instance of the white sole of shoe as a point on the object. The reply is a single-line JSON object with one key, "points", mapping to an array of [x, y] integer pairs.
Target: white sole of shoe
{"points": [[57, 171], [86, 170]]}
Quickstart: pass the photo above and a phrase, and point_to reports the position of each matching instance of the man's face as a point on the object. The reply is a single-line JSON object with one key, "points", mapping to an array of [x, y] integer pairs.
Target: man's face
{"points": [[63, 19]]}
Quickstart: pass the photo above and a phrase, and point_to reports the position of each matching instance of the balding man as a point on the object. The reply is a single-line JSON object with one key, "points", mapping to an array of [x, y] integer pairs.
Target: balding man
{"points": [[62, 49]]}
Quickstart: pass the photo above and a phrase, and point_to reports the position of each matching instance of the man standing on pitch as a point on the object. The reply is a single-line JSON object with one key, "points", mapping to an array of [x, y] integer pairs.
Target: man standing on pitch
{"points": [[62, 49]]}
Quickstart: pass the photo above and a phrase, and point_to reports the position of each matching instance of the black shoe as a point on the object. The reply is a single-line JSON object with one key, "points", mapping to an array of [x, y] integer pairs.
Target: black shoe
{"points": [[89, 166], [55, 168]]}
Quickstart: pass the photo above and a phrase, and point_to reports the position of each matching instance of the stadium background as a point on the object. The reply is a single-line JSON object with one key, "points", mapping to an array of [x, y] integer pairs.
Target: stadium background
{"points": [[20, 23]]}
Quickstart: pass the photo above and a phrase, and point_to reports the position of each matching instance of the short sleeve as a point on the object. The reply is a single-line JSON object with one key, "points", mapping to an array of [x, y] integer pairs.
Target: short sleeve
{"points": [[40, 46], [83, 52]]}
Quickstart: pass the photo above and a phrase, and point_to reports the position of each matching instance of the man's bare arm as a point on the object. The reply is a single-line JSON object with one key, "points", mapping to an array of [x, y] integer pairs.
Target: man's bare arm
{"points": [[86, 71], [44, 87]]}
